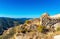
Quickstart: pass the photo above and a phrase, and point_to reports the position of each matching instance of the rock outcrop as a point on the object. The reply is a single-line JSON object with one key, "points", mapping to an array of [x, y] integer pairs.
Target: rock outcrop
{"points": [[46, 20]]}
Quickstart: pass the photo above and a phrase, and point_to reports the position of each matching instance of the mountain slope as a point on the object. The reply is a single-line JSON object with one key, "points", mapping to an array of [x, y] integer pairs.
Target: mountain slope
{"points": [[6, 23]]}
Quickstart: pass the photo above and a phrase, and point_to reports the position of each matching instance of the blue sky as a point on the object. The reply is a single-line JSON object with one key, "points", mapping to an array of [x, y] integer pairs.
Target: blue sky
{"points": [[28, 8]]}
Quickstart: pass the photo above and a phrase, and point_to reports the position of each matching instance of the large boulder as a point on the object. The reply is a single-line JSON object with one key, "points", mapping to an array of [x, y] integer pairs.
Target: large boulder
{"points": [[56, 26], [57, 37]]}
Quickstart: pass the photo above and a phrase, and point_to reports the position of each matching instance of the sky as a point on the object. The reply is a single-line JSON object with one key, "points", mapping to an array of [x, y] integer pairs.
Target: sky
{"points": [[28, 8]]}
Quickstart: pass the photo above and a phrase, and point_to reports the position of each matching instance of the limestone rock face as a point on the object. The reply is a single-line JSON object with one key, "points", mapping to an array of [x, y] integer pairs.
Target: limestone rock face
{"points": [[57, 37], [56, 26], [46, 20]]}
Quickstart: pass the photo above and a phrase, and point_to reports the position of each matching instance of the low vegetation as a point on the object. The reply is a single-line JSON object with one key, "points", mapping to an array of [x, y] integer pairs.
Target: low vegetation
{"points": [[58, 28], [29, 31]]}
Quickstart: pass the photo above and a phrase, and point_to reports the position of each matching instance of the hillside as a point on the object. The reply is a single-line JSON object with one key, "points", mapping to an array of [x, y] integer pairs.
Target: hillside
{"points": [[6, 23]]}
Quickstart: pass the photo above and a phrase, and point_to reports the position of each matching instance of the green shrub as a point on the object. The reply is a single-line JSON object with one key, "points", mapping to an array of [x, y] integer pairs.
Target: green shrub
{"points": [[28, 22], [1, 37], [58, 28], [41, 28]]}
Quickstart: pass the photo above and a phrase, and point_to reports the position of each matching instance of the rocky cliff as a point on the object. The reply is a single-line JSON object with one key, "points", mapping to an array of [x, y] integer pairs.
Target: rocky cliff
{"points": [[47, 20]]}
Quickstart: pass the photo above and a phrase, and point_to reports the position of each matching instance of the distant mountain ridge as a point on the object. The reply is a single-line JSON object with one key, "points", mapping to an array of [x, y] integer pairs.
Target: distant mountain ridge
{"points": [[55, 16], [6, 22]]}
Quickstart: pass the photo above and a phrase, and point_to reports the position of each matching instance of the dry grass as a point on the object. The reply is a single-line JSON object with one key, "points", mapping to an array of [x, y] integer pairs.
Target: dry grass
{"points": [[50, 35]]}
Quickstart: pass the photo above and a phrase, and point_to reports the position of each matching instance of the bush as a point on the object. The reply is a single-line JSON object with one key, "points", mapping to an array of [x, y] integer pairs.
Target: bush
{"points": [[58, 28], [1, 37], [28, 22], [41, 29]]}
